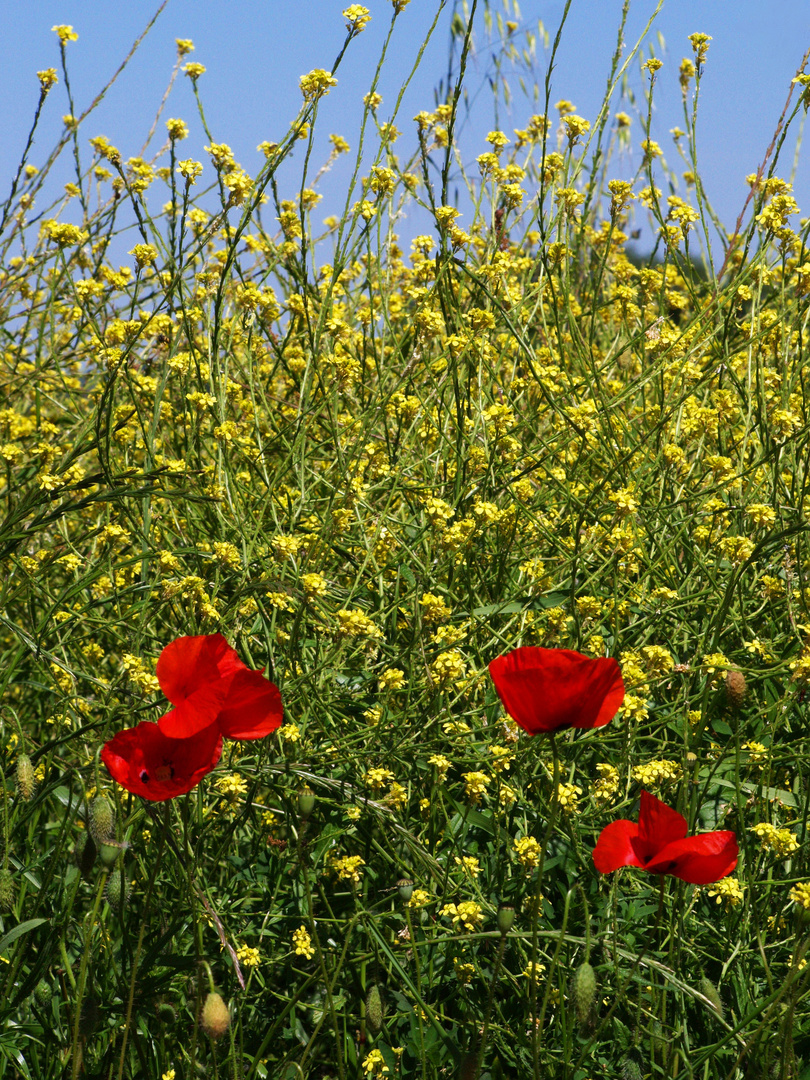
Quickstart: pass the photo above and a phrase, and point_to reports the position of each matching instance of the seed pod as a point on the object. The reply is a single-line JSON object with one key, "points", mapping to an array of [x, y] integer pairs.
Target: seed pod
{"points": [[84, 854], [166, 1014], [306, 802], [709, 990], [405, 888], [26, 781], [506, 916], [115, 891], [215, 1018], [8, 892], [584, 988], [735, 688], [43, 992], [631, 1070], [102, 819], [108, 855], [375, 1010]]}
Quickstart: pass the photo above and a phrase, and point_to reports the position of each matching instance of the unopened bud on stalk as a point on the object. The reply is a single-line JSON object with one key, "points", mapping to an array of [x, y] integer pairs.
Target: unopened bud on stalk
{"points": [[374, 1009], [506, 916], [84, 854], [306, 802], [584, 988], [709, 990], [8, 892], [26, 781], [405, 888], [631, 1070], [102, 819], [215, 1018], [735, 688]]}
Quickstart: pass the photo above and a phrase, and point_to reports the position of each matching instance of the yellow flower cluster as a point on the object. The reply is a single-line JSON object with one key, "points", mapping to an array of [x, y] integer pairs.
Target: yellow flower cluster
{"points": [[728, 891], [658, 772], [467, 913], [781, 842], [302, 943], [528, 851]]}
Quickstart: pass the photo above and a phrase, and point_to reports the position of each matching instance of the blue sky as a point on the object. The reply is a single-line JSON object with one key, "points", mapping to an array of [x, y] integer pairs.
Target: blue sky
{"points": [[256, 51]]}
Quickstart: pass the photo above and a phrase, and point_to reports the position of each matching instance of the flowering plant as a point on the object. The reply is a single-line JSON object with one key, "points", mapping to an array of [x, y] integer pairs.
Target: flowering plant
{"points": [[148, 763], [208, 684], [658, 844], [548, 689]]}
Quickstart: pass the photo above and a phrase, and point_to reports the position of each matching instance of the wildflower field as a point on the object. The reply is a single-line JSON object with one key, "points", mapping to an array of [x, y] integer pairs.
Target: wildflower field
{"points": [[405, 649]]}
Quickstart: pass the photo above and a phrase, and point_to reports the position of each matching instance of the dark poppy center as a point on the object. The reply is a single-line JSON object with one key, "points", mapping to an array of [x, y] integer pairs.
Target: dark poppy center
{"points": [[144, 776]]}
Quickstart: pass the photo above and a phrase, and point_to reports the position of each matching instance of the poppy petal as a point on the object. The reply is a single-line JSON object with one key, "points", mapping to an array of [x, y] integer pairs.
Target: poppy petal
{"points": [[615, 847], [252, 708], [188, 662], [658, 825], [197, 711], [700, 860], [147, 763], [547, 689]]}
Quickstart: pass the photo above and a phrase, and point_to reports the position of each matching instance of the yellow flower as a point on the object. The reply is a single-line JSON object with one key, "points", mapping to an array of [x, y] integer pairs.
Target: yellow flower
{"points": [[442, 765], [728, 892], [316, 83], [374, 1064], [302, 943], [392, 679], [47, 78], [66, 34], [249, 957], [357, 18], [528, 851], [475, 785], [800, 894], [468, 913]]}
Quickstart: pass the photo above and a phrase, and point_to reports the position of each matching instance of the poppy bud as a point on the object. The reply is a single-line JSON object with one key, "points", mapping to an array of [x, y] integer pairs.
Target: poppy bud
{"points": [[8, 892], [584, 987], [306, 802], [735, 688], [631, 1070], [215, 1018], [84, 854], [709, 990], [108, 854], [43, 992], [116, 891], [405, 889], [26, 781], [166, 1014], [374, 1009], [506, 916], [102, 819]]}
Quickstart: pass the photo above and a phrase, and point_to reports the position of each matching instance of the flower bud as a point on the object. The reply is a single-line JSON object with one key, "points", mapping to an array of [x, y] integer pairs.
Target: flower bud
{"points": [[306, 802], [43, 992], [735, 688], [584, 991], [506, 916], [108, 854], [631, 1070], [709, 990], [215, 1018], [115, 891], [374, 1009], [405, 889], [102, 819], [84, 854], [26, 781], [8, 892], [166, 1014]]}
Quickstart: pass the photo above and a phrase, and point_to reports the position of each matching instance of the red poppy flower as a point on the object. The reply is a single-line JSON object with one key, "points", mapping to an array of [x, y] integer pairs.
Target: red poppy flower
{"points": [[148, 763], [547, 689], [208, 684], [659, 845]]}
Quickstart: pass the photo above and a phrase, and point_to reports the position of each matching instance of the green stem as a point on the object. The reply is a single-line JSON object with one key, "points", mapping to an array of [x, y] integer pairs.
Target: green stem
{"points": [[89, 925]]}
